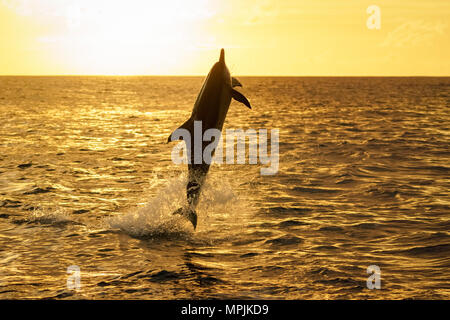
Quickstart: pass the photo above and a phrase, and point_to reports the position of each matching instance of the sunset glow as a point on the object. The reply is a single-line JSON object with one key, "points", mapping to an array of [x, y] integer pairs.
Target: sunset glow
{"points": [[262, 37]]}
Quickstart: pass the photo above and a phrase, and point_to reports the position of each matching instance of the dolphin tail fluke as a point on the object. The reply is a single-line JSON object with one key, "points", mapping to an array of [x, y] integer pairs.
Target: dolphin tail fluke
{"points": [[188, 125], [240, 97], [189, 214]]}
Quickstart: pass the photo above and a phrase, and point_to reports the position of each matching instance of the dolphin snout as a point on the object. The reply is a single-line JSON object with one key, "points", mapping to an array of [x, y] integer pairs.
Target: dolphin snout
{"points": [[222, 56]]}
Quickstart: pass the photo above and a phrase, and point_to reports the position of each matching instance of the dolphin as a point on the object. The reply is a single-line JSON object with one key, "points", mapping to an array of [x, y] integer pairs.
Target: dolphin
{"points": [[210, 108]]}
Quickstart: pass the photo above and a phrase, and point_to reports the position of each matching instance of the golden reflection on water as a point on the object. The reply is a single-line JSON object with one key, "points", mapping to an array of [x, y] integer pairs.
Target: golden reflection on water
{"points": [[362, 181]]}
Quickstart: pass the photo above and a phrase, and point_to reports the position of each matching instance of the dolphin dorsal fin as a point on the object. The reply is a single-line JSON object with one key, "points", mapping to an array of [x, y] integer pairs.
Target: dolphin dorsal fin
{"points": [[235, 82], [222, 56], [188, 125]]}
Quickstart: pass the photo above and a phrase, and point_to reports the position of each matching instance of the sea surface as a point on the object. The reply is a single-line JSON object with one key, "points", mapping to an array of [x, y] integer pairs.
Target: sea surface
{"points": [[87, 183]]}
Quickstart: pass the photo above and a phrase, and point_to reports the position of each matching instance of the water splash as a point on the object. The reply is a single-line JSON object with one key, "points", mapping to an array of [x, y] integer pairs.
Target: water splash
{"points": [[156, 219], [50, 217]]}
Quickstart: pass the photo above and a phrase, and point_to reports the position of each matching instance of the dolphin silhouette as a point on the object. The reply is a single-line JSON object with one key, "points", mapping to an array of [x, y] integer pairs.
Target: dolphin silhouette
{"points": [[210, 108]]}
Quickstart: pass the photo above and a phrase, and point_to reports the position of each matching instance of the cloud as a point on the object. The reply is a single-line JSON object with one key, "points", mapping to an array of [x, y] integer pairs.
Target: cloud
{"points": [[22, 7], [149, 9], [414, 33], [261, 11]]}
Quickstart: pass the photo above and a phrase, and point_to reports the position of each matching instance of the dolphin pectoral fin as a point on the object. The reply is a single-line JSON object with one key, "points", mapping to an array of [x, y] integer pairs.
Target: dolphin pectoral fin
{"points": [[235, 83], [188, 125], [240, 97]]}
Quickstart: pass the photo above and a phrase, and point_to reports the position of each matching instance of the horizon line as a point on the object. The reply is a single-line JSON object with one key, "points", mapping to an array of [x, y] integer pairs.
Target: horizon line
{"points": [[199, 75]]}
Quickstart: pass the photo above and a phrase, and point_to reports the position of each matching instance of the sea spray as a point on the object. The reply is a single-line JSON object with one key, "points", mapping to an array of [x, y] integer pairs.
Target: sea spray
{"points": [[155, 218]]}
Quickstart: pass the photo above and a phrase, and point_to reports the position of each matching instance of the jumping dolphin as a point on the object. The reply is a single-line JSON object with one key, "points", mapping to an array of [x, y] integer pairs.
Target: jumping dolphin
{"points": [[210, 108]]}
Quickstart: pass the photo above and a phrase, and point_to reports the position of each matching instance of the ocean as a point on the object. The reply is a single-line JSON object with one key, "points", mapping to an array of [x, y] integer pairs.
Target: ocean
{"points": [[88, 187]]}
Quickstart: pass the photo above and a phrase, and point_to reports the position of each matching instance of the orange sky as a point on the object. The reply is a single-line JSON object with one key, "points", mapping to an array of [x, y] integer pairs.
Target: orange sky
{"points": [[261, 37]]}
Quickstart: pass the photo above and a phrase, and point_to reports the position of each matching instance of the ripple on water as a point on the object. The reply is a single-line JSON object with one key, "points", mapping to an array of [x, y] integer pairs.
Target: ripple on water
{"points": [[440, 250], [289, 211], [286, 240], [362, 180]]}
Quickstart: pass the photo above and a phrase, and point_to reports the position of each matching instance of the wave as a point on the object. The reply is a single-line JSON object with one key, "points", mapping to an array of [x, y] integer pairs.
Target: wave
{"points": [[50, 217]]}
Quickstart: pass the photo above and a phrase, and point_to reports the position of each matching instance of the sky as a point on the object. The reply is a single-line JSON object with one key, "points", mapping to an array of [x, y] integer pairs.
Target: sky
{"points": [[260, 37]]}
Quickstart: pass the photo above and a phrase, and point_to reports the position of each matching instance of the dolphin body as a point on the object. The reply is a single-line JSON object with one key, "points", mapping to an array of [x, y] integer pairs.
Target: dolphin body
{"points": [[210, 108]]}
